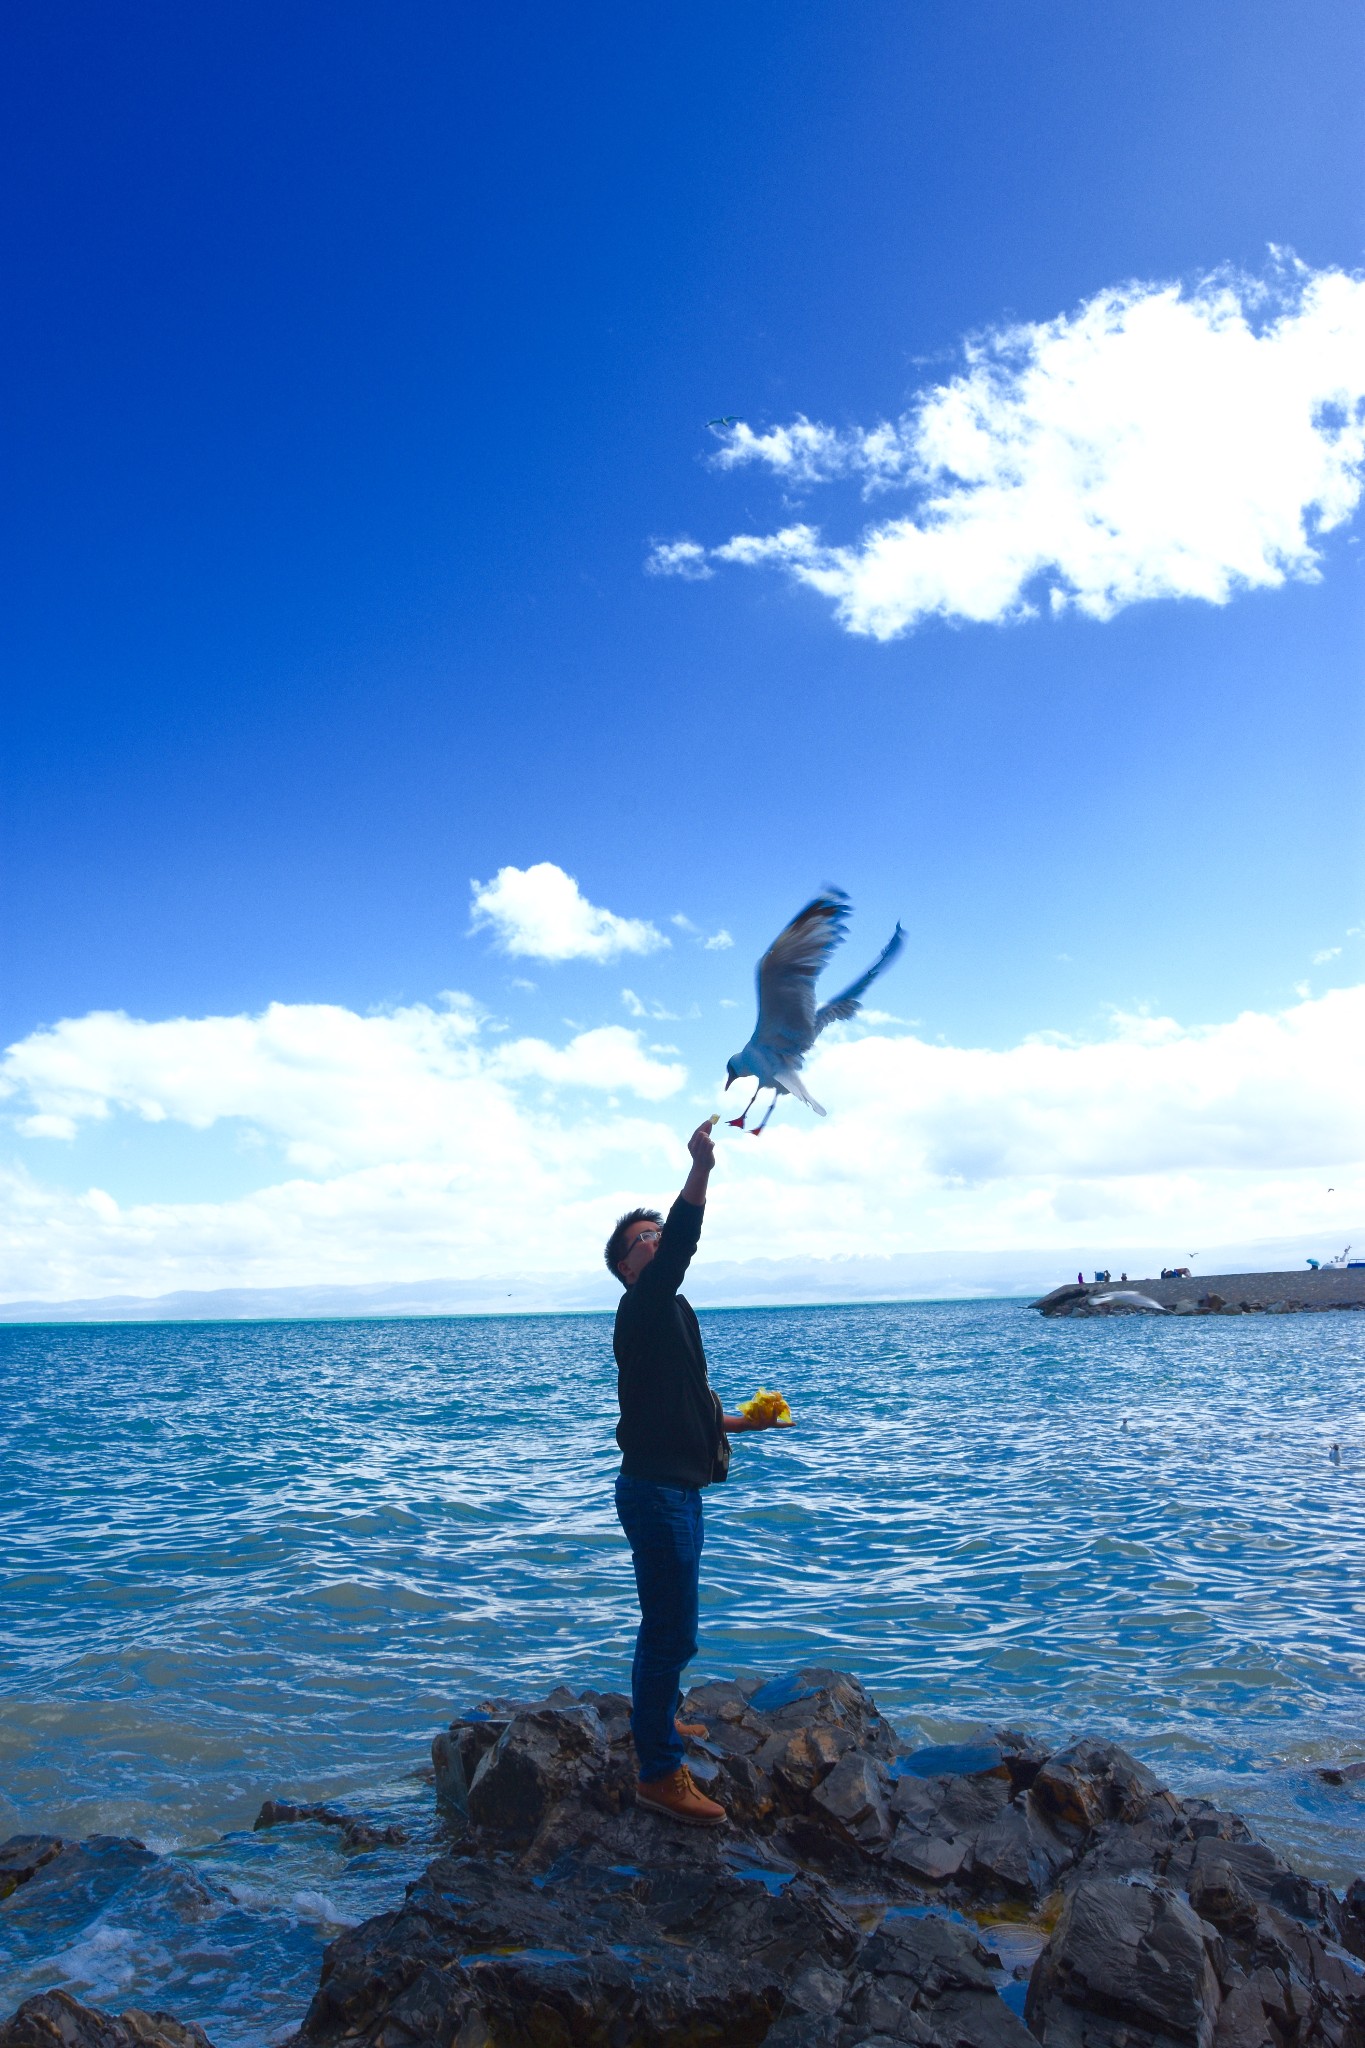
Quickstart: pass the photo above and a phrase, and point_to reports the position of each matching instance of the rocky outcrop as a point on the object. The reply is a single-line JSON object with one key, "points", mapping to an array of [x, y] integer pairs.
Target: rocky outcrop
{"points": [[859, 1896], [992, 1894]]}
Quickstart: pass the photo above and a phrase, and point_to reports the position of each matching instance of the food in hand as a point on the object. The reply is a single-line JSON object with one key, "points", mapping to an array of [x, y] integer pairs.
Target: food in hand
{"points": [[713, 1119], [767, 1406]]}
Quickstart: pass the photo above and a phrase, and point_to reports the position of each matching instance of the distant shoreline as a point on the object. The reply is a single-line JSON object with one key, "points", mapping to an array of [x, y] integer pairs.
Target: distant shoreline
{"points": [[1301, 1292], [10, 1320], [1237, 1271]]}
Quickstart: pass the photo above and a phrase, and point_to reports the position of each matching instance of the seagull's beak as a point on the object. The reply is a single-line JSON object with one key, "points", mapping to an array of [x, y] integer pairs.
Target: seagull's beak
{"points": [[730, 1077]]}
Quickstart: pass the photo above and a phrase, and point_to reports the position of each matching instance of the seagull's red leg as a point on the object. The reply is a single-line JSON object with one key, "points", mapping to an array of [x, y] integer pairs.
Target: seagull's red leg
{"points": [[736, 1123], [766, 1114]]}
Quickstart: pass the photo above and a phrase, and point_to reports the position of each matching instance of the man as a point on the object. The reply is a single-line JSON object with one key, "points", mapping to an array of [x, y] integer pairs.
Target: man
{"points": [[674, 1438]]}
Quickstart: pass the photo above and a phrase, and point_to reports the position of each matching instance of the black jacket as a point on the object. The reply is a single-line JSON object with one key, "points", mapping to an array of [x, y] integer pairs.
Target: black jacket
{"points": [[672, 1425]]}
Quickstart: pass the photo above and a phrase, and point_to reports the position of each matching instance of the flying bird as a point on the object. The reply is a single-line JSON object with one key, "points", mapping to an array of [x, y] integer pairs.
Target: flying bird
{"points": [[728, 420], [788, 1020]]}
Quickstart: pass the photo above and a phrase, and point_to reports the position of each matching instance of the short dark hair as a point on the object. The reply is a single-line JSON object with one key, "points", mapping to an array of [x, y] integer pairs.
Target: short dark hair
{"points": [[616, 1243]]}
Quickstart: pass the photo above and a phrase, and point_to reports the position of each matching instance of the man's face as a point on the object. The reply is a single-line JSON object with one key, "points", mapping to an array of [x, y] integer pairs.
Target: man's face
{"points": [[642, 1241]]}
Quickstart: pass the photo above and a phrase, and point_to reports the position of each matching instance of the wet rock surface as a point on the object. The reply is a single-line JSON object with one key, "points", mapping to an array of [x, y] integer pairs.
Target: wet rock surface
{"points": [[56, 2020], [865, 1892], [356, 1833], [990, 1894]]}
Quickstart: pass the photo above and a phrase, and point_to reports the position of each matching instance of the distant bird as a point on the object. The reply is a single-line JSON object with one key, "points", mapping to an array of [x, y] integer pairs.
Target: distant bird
{"points": [[1336, 1454], [788, 1021], [728, 420]]}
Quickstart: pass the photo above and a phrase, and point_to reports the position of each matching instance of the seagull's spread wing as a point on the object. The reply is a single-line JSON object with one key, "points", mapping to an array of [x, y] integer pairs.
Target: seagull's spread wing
{"points": [[786, 975], [850, 1002]]}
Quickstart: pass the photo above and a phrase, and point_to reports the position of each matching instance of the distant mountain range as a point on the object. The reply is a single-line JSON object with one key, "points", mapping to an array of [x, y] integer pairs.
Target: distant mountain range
{"points": [[751, 1283]]}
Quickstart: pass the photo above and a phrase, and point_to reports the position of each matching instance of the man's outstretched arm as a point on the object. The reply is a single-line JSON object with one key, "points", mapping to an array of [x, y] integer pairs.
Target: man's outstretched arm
{"points": [[702, 1146], [664, 1274]]}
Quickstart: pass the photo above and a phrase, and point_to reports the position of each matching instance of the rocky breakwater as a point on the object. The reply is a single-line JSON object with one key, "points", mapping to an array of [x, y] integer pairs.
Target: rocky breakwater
{"points": [[866, 1891], [1303, 1292]]}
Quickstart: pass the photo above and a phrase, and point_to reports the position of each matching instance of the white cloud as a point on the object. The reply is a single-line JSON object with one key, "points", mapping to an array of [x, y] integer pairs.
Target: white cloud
{"points": [[1162, 441], [416, 1144], [335, 1089], [541, 913], [609, 1058], [1320, 959], [807, 453], [685, 558], [718, 942], [638, 1007]]}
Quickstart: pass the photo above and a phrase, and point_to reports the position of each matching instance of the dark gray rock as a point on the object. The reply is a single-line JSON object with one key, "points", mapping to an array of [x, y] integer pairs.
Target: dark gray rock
{"points": [[163, 2030], [1063, 1300], [23, 1855], [1019, 1853], [1343, 1774], [928, 1980], [1091, 1782], [543, 1758], [587, 1952], [1125, 1961], [452, 1782], [927, 1856], [854, 1800], [56, 2020], [356, 1833], [1024, 1755]]}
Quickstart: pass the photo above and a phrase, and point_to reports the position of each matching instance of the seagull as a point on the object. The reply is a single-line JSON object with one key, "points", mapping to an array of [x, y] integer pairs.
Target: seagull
{"points": [[728, 420], [788, 1021]]}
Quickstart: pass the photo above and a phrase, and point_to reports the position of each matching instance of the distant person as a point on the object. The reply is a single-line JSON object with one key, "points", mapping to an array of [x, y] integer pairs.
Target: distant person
{"points": [[1080, 1279], [674, 1437]]}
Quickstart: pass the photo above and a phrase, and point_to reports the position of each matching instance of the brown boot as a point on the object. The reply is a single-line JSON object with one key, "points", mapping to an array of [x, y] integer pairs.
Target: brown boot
{"points": [[678, 1797]]}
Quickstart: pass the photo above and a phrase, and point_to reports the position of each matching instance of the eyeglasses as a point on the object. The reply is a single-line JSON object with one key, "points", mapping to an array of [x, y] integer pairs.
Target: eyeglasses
{"points": [[645, 1237]]}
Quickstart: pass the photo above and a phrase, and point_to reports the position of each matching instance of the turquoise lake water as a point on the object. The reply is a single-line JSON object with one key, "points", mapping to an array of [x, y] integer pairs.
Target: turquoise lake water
{"points": [[243, 1561]]}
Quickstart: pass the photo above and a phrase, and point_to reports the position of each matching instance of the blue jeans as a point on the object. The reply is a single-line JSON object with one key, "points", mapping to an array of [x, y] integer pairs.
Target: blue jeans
{"points": [[663, 1526]]}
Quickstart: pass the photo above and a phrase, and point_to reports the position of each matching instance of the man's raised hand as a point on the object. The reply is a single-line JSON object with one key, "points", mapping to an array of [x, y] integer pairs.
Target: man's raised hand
{"points": [[702, 1146], [703, 1151]]}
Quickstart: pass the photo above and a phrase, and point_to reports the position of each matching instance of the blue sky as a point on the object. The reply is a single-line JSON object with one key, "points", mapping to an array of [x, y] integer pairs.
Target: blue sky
{"points": [[356, 363]]}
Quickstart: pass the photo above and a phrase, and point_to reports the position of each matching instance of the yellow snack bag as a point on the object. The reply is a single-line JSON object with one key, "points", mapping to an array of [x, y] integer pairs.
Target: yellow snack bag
{"points": [[767, 1405]]}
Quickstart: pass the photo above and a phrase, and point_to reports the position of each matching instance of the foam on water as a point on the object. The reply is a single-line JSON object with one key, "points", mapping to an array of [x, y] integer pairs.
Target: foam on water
{"points": [[244, 1561]]}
